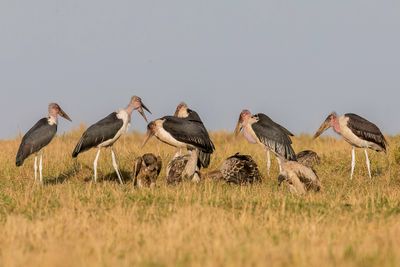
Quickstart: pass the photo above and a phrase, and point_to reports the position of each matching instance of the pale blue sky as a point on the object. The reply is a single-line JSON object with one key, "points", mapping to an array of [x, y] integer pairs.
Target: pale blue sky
{"points": [[293, 60]]}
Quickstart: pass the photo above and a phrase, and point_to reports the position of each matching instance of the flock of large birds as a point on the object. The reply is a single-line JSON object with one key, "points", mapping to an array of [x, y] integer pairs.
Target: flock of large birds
{"points": [[186, 131]]}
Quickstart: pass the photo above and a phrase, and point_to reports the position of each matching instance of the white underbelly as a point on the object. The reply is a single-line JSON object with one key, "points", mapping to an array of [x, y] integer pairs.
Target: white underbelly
{"points": [[353, 139], [166, 137]]}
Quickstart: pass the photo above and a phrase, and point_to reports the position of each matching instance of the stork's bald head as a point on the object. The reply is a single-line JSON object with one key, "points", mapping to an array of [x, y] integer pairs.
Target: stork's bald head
{"points": [[182, 110], [244, 117], [55, 110], [137, 104]]}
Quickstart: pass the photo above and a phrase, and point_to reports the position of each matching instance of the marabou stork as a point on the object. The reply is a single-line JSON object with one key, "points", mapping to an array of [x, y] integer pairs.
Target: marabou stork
{"points": [[299, 178], [358, 132], [146, 170], [238, 169], [39, 136], [107, 131], [184, 133], [183, 111], [260, 129]]}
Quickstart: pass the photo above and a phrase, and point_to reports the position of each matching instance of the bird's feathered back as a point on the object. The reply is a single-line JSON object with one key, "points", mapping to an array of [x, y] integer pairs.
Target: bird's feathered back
{"points": [[274, 136], [238, 169], [146, 169], [39, 136], [193, 133], [366, 130], [300, 178], [308, 158], [175, 169], [204, 157], [98, 133]]}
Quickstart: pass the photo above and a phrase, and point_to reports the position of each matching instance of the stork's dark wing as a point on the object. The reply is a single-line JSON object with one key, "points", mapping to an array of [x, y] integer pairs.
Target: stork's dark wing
{"points": [[189, 132], [366, 130], [264, 119], [274, 137], [35, 139], [98, 133], [193, 116], [204, 158]]}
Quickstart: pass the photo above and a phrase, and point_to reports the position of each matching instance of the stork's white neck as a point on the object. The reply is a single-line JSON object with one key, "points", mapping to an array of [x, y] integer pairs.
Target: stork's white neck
{"points": [[51, 119]]}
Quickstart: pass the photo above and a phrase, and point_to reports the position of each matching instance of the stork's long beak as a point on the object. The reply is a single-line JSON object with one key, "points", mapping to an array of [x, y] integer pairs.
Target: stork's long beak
{"points": [[141, 111], [238, 128], [64, 115], [149, 134], [324, 126]]}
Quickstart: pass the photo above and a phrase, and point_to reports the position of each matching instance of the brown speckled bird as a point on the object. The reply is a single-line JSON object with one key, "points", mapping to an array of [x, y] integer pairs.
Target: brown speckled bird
{"points": [[299, 178], [238, 169], [176, 168], [146, 170], [308, 158]]}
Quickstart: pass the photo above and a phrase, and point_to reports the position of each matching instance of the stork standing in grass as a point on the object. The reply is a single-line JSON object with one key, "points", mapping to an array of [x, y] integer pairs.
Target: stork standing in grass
{"points": [[358, 132], [184, 133], [39, 136], [107, 131], [260, 129], [183, 111]]}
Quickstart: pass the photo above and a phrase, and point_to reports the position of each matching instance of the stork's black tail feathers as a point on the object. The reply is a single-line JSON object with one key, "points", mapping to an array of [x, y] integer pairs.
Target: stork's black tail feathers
{"points": [[21, 156], [78, 149], [204, 159], [19, 160]]}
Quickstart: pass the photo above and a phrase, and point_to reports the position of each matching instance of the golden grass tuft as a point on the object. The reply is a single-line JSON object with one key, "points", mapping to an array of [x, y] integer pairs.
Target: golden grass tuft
{"points": [[72, 222]]}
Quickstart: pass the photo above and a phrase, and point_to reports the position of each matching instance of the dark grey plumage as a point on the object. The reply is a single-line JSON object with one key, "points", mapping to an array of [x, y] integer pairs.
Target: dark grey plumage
{"points": [[274, 136], [175, 169], [238, 169], [204, 157], [193, 133], [366, 130], [308, 158], [98, 133], [39, 136], [146, 169]]}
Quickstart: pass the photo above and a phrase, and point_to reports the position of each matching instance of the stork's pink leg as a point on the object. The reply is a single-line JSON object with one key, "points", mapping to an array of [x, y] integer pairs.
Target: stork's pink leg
{"points": [[35, 167], [353, 162], [96, 159], [368, 163], [268, 160]]}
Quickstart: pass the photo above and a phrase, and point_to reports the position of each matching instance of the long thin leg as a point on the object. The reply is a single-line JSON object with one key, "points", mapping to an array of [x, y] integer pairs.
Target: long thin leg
{"points": [[268, 160], [35, 167], [368, 163], [353, 162], [115, 165], [279, 164], [96, 159], [41, 168]]}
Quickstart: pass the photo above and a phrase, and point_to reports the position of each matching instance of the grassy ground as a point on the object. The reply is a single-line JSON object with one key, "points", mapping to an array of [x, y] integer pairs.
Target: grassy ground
{"points": [[72, 222]]}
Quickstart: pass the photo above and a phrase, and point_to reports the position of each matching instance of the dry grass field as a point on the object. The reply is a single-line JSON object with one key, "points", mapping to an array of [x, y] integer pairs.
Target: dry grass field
{"points": [[71, 221]]}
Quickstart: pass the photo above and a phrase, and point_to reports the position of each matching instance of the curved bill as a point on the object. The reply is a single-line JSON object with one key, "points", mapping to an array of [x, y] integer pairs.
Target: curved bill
{"points": [[149, 134], [141, 111], [324, 126], [238, 127], [64, 115]]}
